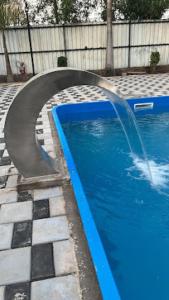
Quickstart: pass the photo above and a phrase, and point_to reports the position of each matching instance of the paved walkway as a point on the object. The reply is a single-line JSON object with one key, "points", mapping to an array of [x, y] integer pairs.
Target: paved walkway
{"points": [[37, 255]]}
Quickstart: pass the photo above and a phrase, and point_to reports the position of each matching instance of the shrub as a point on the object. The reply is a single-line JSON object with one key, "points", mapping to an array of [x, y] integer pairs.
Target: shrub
{"points": [[62, 61], [154, 58]]}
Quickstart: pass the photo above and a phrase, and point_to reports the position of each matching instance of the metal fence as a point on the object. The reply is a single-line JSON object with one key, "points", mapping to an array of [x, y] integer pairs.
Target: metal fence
{"points": [[84, 45]]}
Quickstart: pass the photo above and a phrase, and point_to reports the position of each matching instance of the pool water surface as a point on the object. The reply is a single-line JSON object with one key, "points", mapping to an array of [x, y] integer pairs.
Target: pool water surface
{"points": [[131, 214]]}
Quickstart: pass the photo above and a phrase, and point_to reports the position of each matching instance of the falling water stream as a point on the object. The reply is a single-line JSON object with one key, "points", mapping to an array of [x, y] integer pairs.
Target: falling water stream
{"points": [[129, 125]]}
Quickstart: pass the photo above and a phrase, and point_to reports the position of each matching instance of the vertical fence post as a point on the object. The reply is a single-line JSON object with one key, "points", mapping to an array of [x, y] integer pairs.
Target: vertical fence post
{"points": [[129, 45], [109, 43], [29, 37], [64, 40]]}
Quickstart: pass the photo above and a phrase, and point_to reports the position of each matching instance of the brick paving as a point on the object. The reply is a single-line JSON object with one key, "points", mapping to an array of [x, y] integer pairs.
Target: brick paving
{"points": [[37, 257]]}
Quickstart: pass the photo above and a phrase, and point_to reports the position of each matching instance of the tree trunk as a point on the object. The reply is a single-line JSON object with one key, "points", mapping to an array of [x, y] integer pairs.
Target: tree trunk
{"points": [[8, 65], [109, 50], [56, 12]]}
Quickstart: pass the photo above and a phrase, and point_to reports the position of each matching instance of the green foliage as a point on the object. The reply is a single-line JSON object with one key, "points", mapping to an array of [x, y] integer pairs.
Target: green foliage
{"points": [[142, 9], [61, 11], [84, 8], [62, 61], [10, 13], [154, 58], [135, 9], [45, 11]]}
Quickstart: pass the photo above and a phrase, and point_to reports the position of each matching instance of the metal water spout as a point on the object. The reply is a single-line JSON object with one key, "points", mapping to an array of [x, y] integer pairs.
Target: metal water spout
{"points": [[20, 136]]}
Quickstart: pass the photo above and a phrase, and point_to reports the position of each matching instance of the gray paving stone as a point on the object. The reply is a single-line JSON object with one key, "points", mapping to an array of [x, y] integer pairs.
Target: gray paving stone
{"points": [[16, 212], [4, 161], [41, 209], [24, 196], [3, 180], [15, 265], [6, 154], [42, 265], [8, 196], [18, 291], [2, 146], [64, 257], [2, 292], [13, 171], [4, 170], [50, 230], [6, 231], [22, 234], [57, 206], [60, 288], [47, 193], [12, 181]]}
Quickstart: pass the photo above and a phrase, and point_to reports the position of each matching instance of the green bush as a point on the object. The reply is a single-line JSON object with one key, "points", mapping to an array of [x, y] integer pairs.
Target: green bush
{"points": [[62, 61], [154, 58]]}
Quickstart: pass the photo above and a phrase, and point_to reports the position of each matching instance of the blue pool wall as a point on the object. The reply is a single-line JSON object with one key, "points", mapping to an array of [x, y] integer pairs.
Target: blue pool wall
{"points": [[103, 108], [87, 111]]}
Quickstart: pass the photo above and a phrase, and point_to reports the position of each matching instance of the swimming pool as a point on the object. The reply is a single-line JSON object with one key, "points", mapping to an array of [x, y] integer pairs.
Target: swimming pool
{"points": [[125, 217]]}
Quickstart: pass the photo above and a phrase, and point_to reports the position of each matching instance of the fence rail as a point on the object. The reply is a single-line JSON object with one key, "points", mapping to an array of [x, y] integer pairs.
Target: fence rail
{"points": [[84, 45]]}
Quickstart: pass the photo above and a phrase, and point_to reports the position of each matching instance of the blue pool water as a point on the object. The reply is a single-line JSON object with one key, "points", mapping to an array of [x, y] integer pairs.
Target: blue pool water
{"points": [[131, 214]]}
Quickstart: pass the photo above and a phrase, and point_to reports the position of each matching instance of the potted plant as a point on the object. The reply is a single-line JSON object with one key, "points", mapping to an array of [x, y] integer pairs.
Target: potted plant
{"points": [[62, 61], [154, 60]]}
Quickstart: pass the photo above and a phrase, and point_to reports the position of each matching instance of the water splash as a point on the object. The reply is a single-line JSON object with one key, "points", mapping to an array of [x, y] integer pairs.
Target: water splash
{"points": [[160, 172]]}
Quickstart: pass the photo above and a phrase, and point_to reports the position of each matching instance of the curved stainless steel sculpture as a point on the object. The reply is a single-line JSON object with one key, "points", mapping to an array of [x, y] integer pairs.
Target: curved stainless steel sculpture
{"points": [[26, 153]]}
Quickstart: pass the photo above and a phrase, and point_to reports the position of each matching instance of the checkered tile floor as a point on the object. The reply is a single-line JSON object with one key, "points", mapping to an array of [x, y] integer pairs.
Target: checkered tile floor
{"points": [[35, 245], [37, 258]]}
